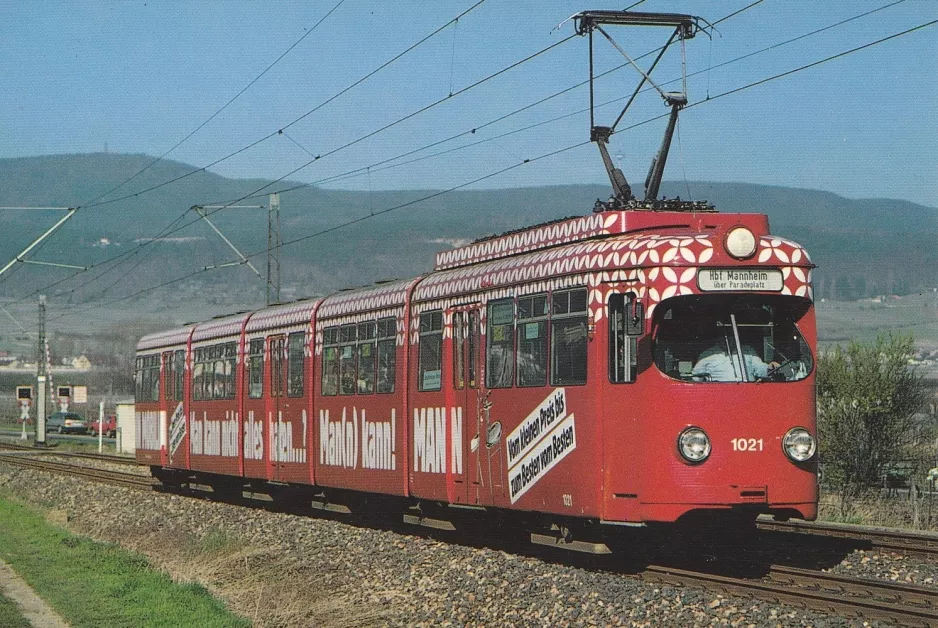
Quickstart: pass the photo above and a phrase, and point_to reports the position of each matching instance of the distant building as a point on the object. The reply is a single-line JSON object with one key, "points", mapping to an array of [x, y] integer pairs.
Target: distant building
{"points": [[81, 363]]}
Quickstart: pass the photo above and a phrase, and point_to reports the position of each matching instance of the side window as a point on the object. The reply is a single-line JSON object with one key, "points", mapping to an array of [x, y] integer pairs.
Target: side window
{"points": [[155, 378], [472, 348], [499, 354], [225, 356], [276, 366], [347, 359], [622, 347], [330, 361], [219, 388], [430, 359], [179, 374], [138, 379], [296, 364], [198, 375], [231, 358], [568, 338], [147, 378], [255, 365], [459, 358], [387, 352], [168, 392], [532, 340], [366, 358]]}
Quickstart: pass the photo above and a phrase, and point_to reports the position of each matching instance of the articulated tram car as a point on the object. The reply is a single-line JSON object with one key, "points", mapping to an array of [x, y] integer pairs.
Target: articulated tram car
{"points": [[625, 367]]}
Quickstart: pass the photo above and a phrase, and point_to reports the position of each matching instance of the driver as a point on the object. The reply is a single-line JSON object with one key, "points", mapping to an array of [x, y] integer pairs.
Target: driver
{"points": [[715, 364]]}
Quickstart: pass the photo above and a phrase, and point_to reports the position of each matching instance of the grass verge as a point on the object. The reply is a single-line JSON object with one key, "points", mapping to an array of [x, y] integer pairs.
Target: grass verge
{"points": [[10, 616], [96, 584]]}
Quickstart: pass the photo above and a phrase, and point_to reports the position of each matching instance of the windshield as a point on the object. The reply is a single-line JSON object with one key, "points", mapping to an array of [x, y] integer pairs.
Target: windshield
{"points": [[715, 338]]}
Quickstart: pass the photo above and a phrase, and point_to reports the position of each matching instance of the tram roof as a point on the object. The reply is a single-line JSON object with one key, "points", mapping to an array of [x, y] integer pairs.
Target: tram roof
{"points": [[610, 243], [283, 315], [606, 242], [166, 338], [596, 225]]}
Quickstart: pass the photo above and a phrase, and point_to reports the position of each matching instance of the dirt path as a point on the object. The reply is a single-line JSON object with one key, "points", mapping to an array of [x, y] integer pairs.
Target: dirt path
{"points": [[36, 612]]}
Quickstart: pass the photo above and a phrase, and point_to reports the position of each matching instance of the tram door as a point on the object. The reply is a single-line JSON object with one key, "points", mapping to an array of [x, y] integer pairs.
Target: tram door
{"points": [[277, 352], [172, 416], [468, 399]]}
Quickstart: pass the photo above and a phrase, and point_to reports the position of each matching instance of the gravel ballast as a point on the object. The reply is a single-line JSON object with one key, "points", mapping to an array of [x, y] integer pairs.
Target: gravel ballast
{"points": [[287, 570]]}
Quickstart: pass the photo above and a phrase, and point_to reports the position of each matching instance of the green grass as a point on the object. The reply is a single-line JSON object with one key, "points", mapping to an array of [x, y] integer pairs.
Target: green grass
{"points": [[100, 585], [842, 321], [10, 616]]}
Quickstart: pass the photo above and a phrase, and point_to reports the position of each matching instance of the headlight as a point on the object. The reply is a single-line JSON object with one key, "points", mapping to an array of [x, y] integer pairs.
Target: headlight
{"points": [[798, 444], [694, 444], [740, 243]]}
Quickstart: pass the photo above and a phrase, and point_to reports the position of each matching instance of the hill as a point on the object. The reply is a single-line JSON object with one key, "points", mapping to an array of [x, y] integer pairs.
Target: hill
{"points": [[863, 247]]}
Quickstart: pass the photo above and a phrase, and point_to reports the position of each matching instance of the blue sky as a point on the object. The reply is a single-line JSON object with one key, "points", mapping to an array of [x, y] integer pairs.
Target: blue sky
{"points": [[137, 77]]}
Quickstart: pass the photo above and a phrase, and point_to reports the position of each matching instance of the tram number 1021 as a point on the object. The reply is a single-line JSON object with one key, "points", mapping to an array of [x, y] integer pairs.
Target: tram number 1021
{"points": [[747, 444]]}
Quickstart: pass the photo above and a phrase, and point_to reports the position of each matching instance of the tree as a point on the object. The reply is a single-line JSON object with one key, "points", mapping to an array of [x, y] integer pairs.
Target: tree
{"points": [[868, 400]]}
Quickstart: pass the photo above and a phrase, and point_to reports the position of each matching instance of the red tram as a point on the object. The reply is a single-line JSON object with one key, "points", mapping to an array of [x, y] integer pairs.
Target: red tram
{"points": [[624, 367]]}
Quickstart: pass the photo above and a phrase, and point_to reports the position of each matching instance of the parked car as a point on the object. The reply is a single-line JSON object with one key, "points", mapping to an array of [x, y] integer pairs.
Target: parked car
{"points": [[108, 427], [66, 423]]}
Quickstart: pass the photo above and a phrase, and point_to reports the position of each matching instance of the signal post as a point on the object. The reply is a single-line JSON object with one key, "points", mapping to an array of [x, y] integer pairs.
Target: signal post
{"points": [[24, 395]]}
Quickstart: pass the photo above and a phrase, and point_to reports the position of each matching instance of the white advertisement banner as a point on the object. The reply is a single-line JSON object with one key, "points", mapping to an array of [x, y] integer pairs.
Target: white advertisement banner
{"points": [[541, 421], [542, 458]]}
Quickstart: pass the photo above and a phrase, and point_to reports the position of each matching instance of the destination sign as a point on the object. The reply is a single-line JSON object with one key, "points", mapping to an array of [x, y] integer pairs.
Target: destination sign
{"points": [[744, 279]]}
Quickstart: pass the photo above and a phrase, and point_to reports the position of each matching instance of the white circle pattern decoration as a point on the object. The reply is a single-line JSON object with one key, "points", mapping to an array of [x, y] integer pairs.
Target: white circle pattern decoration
{"points": [[528, 240], [656, 267], [280, 316], [370, 298], [170, 338]]}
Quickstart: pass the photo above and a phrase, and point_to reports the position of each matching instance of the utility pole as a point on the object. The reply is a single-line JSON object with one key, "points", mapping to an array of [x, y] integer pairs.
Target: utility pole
{"points": [[273, 249], [41, 377]]}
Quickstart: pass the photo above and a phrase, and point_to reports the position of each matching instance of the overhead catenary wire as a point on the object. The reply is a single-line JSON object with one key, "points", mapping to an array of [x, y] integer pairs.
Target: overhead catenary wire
{"points": [[275, 133], [521, 163], [458, 148], [295, 120], [156, 160], [481, 81], [411, 152], [386, 165], [498, 119]]}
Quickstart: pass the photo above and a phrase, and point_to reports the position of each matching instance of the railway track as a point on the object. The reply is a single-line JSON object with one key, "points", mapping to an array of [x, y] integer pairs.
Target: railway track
{"points": [[885, 539], [124, 460], [902, 604], [905, 605], [115, 478]]}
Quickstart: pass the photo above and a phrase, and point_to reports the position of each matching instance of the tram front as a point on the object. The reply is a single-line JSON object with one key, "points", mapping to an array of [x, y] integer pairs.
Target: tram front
{"points": [[713, 411]]}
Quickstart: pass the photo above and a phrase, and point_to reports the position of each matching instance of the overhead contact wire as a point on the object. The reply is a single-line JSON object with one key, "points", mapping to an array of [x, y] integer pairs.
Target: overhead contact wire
{"points": [[255, 143], [302, 117], [375, 167], [219, 111], [526, 161], [730, 92]]}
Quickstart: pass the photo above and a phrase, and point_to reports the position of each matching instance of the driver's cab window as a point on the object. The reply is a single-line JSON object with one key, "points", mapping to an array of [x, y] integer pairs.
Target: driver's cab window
{"points": [[731, 339]]}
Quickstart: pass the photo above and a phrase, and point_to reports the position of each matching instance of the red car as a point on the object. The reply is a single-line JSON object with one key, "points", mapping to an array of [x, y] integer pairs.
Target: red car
{"points": [[108, 426]]}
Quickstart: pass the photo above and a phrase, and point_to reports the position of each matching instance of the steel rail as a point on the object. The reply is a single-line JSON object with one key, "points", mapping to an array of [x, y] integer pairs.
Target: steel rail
{"points": [[124, 460], [883, 590], [116, 478], [903, 604], [807, 592], [890, 539]]}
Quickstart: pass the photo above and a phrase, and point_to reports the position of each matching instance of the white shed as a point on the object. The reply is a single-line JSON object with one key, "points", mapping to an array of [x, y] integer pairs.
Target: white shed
{"points": [[126, 428]]}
